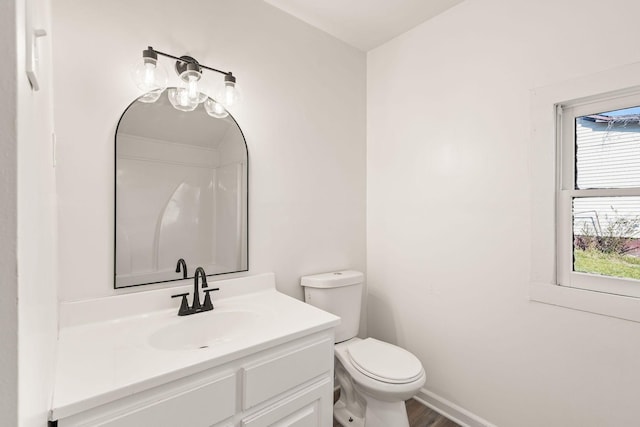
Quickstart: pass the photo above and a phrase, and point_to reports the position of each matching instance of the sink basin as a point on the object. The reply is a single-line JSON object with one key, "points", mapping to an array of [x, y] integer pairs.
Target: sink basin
{"points": [[199, 331]]}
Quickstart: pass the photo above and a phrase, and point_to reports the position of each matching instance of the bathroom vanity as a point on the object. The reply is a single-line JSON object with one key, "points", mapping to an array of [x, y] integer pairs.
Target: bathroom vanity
{"points": [[260, 358]]}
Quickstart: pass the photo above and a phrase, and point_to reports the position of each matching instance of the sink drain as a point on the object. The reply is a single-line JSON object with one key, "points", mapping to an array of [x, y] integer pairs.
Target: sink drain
{"points": [[204, 346]]}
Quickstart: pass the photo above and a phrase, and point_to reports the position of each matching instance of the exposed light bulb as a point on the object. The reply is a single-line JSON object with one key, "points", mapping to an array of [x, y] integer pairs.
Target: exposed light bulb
{"points": [[192, 86], [179, 98], [230, 93], [190, 83], [149, 73], [149, 76]]}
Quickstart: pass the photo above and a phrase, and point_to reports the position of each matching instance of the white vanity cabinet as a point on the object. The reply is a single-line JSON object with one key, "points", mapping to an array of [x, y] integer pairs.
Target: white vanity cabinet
{"points": [[289, 384]]}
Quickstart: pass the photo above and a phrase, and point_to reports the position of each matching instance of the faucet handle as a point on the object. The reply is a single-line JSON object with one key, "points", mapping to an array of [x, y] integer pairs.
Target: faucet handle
{"points": [[184, 305], [207, 299]]}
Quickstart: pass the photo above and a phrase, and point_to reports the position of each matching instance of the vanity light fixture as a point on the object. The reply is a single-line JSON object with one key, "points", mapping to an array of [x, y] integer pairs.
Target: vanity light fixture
{"points": [[151, 78]]}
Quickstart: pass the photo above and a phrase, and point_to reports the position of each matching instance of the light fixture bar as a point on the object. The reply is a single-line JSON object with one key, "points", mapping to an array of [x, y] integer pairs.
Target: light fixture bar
{"points": [[151, 77], [188, 61]]}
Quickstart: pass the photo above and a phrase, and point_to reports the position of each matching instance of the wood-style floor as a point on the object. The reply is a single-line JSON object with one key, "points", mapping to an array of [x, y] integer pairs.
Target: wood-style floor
{"points": [[421, 416]]}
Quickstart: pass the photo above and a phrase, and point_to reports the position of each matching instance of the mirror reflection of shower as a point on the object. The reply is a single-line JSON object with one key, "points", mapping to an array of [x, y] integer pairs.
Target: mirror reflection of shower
{"points": [[181, 192]]}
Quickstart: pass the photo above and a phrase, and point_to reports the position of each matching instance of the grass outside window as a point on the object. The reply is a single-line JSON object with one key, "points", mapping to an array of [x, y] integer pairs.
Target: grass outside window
{"points": [[596, 262]]}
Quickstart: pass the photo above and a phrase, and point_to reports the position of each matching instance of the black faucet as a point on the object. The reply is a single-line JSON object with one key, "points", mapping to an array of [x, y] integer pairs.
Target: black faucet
{"points": [[183, 264], [196, 291], [196, 307]]}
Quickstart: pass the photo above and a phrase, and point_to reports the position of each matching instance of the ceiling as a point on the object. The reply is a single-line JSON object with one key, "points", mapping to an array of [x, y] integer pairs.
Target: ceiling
{"points": [[364, 24]]}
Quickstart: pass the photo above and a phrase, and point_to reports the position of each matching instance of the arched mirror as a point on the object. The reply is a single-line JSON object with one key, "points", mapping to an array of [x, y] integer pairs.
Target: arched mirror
{"points": [[180, 193]]}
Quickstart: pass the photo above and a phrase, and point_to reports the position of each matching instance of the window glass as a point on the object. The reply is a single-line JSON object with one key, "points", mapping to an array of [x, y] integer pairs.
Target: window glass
{"points": [[606, 227], [606, 236], [608, 149]]}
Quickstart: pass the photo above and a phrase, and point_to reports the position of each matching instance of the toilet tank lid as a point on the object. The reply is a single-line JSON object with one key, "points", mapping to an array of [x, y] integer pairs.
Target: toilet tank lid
{"points": [[333, 279]]}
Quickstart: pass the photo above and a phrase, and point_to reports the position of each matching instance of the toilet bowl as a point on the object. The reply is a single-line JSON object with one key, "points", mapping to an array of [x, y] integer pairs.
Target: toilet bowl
{"points": [[375, 377], [382, 375]]}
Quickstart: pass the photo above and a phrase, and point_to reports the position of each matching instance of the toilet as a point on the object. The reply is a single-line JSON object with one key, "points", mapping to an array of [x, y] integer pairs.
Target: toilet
{"points": [[375, 377]]}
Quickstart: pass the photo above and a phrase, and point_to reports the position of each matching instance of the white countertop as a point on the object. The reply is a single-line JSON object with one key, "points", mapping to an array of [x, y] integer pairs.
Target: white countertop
{"points": [[104, 359]]}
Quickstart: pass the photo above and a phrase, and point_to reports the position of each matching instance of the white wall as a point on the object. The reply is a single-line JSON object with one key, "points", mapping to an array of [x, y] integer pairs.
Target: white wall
{"points": [[8, 217], [303, 118], [28, 227], [448, 199]]}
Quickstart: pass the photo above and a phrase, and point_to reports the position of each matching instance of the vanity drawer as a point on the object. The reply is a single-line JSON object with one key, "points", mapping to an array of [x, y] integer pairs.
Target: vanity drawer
{"points": [[268, 378], [197, 406], [310, 407], [179, 410]]}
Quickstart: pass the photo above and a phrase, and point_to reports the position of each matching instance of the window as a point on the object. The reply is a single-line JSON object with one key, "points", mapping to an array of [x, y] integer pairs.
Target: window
{"points": [[554, 187], [598, 200]]}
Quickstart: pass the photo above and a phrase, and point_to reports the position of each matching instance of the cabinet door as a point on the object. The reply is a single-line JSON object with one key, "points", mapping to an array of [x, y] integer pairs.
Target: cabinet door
{"points": [[310, 407]]}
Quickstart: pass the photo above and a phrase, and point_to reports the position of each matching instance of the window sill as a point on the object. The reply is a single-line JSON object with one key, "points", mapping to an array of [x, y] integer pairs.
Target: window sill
{"points": [[621, 307]]}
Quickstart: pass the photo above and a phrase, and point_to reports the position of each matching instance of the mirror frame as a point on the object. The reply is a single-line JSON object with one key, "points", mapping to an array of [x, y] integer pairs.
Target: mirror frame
{"points": [[115, 202]]}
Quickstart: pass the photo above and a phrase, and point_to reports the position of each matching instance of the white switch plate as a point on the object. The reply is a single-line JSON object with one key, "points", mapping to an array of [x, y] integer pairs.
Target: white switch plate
{"points": [[32, 51]]}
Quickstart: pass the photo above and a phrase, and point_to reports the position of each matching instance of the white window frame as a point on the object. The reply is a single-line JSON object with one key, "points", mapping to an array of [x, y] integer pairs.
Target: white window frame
{"points": [[544, 283], [566, 115]]}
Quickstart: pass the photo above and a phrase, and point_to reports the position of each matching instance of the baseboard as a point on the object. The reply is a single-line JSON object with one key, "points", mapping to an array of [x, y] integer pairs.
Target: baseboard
{"points": [[451, 410]]}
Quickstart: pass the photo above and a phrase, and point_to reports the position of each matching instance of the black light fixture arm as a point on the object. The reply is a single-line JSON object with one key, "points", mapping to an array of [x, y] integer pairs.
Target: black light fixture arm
{"points": [[185, 60]]}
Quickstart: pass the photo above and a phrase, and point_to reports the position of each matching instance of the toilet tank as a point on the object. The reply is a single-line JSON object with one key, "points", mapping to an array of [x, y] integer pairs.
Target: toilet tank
{"points": [[339, 293]]}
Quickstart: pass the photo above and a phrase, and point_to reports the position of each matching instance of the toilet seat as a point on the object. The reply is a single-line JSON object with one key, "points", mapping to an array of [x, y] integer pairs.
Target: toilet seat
{"points": [[384, 362]]}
